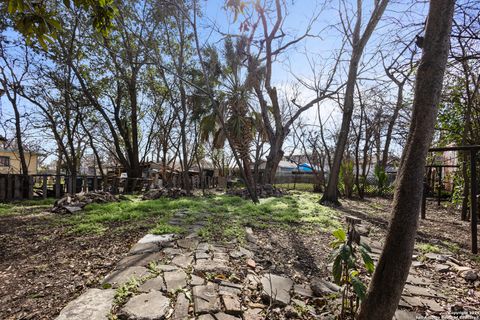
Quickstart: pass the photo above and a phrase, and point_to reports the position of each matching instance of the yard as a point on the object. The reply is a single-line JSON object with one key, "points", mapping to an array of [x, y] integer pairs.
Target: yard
{"points": [[48, 259]]}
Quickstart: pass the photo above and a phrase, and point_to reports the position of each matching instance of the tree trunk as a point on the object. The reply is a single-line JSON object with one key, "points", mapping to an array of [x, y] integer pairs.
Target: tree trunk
{"points": [[273, 159], [392, 270], [331, 193], [391, 124]]}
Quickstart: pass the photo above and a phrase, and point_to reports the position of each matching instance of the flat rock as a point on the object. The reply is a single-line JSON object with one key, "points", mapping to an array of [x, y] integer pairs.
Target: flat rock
{"points": [[236, 254], [249, 235], [442, 267], [190, 244], [72, 209], [321, 287], [153, 284], [146, 306], [183, 260], [433, 305], [404, 315], [175, 280], [421, 291], [220, 256], [206, 317], [144, 247], [232, 303], [166, 267], [196, 280], [253, 314], [247, 253], [277, 288], [303, 290], [413, 301], [172, 251], [142, 259], [181, 307], [212, 266], [203, 246], [418, 280], [120, 277], [153, 238], [201, 255], [94, 304], [224, 316], [205, 299]]}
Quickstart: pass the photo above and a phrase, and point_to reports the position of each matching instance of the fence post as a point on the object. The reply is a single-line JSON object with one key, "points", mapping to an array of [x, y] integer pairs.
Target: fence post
{"points": [[30, 187], [17, 187], [84, 183], [3, 187], [473, 200], [95, 183], [134, 184], [44, 187], [57, 187], [115, 185]]}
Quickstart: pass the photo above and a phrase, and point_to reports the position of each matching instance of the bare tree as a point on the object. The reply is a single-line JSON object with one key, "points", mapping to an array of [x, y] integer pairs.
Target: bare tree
{"points": [[393, 267], [358, 40]]}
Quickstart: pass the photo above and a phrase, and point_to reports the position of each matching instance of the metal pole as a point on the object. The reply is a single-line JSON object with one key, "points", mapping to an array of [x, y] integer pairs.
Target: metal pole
{"points": [[473, 200]]}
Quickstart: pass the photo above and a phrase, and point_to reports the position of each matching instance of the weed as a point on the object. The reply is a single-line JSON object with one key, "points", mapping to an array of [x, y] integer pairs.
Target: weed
{"points": [[427, 247]]}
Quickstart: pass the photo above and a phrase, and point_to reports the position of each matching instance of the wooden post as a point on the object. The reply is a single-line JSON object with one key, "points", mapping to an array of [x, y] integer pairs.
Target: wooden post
{"points": [[134, 184], [44, 187], [3, 187], [9, 193], [115, 185], [473, 200], [424, 200], [18, 187], [30, 187], [84, 183], [58, 192], [439, 185], [95, 183], [125, 186]]}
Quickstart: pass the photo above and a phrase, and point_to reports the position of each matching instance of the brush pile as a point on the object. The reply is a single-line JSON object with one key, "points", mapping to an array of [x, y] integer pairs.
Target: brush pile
{"points": [[74, 203], [265, 191], [173, 193]]}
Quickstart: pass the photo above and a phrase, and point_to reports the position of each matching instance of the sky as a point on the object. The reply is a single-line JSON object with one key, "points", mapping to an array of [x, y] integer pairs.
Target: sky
{"points": [[295, 62]]}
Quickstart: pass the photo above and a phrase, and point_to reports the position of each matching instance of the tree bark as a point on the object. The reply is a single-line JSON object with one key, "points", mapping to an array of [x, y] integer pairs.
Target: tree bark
{"points": [[392, 270]]}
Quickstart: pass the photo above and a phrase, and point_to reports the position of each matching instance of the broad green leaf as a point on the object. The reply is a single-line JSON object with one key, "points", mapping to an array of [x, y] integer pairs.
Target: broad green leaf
{"points": [[337, 269], [358, 287], [340, 234], [367, 260]]}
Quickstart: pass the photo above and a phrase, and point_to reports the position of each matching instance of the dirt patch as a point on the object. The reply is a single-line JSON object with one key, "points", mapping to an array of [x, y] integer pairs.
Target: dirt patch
{"points": [[296, 252], [442, 223], [43, 267]]}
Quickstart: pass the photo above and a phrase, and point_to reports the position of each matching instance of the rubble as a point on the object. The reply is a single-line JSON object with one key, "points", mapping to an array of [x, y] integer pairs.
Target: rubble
{"points": [[75, 203], [173, 193], [265, 191]]}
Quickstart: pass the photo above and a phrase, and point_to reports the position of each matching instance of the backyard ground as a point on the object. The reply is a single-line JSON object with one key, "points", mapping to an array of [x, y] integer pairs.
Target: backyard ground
{"points": [[46, 259]]}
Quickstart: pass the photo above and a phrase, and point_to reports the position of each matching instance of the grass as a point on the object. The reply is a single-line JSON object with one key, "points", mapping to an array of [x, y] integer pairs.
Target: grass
{"points": [[25, 206], [226, 216], [296, 186], [428, 248]]}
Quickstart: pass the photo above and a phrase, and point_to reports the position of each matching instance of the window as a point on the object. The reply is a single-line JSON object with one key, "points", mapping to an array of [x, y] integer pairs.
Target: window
{"points": [[4, 161]]}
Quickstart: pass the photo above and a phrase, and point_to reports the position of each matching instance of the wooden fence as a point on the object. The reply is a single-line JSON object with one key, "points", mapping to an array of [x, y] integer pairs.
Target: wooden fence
{"points": [[21, 187], [42, 186]]}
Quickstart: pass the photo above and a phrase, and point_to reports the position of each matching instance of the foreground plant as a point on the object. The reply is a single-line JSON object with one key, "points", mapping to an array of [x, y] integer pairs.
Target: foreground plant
{"points": [[346, 269]]}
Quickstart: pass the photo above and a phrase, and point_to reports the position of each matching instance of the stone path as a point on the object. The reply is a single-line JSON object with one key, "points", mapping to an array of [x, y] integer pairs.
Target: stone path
{"points": [[165, 277]]}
